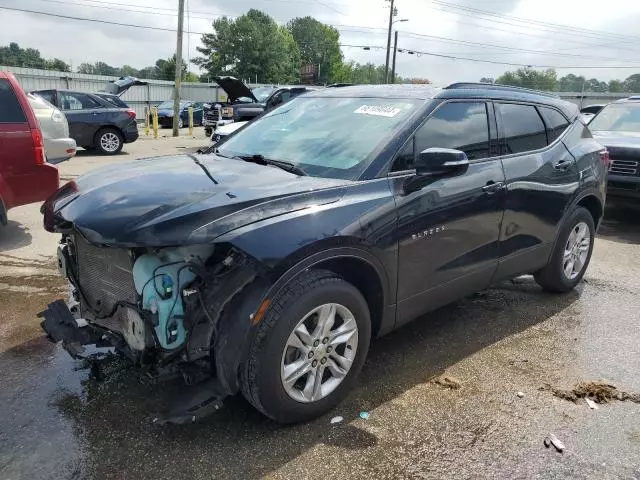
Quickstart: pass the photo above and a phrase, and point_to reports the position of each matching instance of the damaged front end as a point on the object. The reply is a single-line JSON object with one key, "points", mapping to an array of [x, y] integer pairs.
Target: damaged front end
{"points": [[160, 307]]}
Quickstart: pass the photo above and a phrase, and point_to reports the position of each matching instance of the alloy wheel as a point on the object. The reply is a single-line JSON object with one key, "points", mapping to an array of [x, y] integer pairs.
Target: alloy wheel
{"points": [[576, 250], [109, 142], [319, 353]]}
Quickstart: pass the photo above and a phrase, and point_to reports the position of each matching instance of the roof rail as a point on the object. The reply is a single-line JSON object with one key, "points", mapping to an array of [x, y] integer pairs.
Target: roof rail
{"points": [[497, 86]]}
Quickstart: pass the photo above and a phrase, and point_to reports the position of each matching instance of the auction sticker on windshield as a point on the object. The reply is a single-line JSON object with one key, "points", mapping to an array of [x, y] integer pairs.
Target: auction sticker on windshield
{"points": [[378, 110]]}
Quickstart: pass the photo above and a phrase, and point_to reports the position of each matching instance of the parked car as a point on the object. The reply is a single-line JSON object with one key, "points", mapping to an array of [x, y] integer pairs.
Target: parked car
{"points": [[244, 104], [96, 120], [617, 126], [224, 131], [588, 112], [25, 175], [272, 263], [165, 113], [58, 147]]}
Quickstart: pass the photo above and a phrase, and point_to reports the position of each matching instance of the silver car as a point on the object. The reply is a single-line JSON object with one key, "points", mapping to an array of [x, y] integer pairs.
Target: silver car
{"points": [[58, 146]]}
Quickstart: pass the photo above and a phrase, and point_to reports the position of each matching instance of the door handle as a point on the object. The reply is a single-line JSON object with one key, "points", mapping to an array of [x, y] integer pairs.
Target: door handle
{"points": [[564, 164], [492, 187]]}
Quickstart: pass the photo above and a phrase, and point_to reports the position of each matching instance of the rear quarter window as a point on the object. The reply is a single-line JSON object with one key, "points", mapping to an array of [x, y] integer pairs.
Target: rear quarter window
{"points": [[10, 108], [523, 128], [555, 121]]}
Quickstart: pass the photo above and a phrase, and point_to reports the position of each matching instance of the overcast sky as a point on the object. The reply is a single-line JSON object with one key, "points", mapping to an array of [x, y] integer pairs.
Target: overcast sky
{"points": [[612, 40]]}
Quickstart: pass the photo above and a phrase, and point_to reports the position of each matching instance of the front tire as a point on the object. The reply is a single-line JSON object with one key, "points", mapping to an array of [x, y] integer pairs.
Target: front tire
{"points": [[572, 254], [109, 141], [309, 348]]}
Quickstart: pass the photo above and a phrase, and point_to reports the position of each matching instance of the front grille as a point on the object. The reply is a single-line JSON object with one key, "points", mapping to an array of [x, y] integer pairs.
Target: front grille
{"points": [[105, 277], [212, 115], [624, 167]]}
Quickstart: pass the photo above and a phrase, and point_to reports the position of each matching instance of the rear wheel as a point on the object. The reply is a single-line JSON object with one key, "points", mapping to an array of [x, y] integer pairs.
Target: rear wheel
{"points": [[309, 349], [180, 123], [109, 141], [572, 254]]}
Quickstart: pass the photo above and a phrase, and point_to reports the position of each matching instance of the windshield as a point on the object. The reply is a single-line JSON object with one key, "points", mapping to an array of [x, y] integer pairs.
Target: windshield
{"points": [[621, 117], [168, 105], [326, 137], [261, 93]]}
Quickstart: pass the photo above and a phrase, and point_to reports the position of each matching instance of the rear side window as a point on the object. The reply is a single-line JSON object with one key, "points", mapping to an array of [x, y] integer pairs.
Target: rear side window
{"points": [[460, 125], [10, 109], [555, 121], [47, 95], [523, 128], [77, 101]]}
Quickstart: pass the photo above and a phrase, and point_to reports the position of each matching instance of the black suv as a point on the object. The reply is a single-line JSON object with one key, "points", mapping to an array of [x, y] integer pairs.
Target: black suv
{"points": [[338, 217], [617, 126], [96, 120]]}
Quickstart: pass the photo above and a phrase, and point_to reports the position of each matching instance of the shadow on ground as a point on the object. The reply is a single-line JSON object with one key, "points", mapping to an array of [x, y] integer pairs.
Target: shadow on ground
{"points": [[13, 236], [621, 221], [112, 420]]}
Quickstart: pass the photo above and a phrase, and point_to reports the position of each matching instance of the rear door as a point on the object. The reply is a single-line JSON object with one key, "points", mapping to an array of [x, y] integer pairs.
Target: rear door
{"points": [[448, 226], [84, 114], [541, 176]]}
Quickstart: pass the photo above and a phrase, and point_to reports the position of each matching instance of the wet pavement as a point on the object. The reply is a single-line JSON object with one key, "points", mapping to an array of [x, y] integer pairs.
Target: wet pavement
{"points": [[57, 423]]}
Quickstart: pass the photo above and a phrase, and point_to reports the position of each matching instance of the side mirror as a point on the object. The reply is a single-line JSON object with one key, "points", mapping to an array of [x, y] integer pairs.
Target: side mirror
{"points": [[440, 160]]}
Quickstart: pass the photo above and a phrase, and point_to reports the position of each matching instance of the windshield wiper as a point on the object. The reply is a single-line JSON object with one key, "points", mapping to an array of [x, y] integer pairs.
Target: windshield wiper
{"points": [[284, 165]]}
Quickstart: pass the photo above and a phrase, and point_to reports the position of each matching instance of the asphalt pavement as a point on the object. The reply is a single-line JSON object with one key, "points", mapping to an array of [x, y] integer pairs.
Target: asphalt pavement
{"points": [[504, 351]]}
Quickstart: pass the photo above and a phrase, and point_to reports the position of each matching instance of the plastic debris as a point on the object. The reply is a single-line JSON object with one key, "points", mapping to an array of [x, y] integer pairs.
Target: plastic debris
{"points": [[520, 394], [555, 441], [364, 415], [337, 419], [592, 405]]}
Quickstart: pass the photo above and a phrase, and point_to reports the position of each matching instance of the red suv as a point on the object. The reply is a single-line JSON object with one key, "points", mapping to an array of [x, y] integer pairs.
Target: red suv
{"points": [[25, 175]]}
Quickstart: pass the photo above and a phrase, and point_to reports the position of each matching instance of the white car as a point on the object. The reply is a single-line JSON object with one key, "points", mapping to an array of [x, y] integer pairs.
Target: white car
{"points": [[58, 146], [225, 130]]}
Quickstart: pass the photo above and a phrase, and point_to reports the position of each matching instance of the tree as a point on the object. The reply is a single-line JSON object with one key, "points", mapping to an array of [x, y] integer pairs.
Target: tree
{"points": [[319, 44], [418, 81], [14, 56], [530, 78], [487, 80], [616, 86], [632, 83], [129, 71], [251, 46]]}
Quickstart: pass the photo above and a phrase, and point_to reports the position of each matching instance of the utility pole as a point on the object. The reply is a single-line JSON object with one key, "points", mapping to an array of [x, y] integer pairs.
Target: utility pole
{"points": [[395, 50], [178, 80], [386, 65]]}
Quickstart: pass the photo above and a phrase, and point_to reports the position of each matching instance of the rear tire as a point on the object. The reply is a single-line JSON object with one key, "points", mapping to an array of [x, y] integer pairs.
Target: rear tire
{"points": [[339, 349], [109, 141], [571, 255]]}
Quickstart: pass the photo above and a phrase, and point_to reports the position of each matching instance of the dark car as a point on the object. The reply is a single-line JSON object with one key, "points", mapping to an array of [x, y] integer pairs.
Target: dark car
{"points": [[338, 217], [617, 126], [25, 175], [165, 113], [244, 104], [96, 120]]}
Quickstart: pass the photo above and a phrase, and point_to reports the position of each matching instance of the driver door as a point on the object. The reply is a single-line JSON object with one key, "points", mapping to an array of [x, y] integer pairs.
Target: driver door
{"points": [[448, 223]]}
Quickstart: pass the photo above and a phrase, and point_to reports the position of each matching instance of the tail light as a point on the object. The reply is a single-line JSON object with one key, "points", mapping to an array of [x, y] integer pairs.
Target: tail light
{"points": [[38, 146], [604, 158], [132, 113]]}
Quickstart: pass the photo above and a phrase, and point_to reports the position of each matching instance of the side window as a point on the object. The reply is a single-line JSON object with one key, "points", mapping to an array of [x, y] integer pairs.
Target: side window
{"points": [[404, 161], [555, 121], [77, 101], [47, 95], [10, 109], [523, 128], [460, 125]]}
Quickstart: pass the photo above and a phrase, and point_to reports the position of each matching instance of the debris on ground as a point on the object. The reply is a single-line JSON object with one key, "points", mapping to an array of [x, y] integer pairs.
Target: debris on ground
{"points": [[555, 441], [364, 415], [337, 419], [448, 382], [591, 403], [520, 394], [598, 392]]}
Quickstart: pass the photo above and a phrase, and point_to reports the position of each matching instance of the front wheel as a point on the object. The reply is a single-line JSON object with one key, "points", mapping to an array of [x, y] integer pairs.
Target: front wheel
{"points": [[572, 254], [309, 348]]}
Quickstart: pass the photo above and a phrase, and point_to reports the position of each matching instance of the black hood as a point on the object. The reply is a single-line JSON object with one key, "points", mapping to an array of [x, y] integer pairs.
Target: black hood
{"points": [[235, 88], [181, 199], [118, 87]]}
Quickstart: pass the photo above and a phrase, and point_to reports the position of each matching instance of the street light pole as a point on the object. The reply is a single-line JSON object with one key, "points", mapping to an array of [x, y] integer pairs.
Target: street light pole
{"points": [[386, 65], [395, 50], [178, 77]]}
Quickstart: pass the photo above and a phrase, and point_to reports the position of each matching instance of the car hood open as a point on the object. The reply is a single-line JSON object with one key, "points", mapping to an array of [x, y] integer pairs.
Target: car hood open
{"points": [[162, 201], [234, 88]]}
